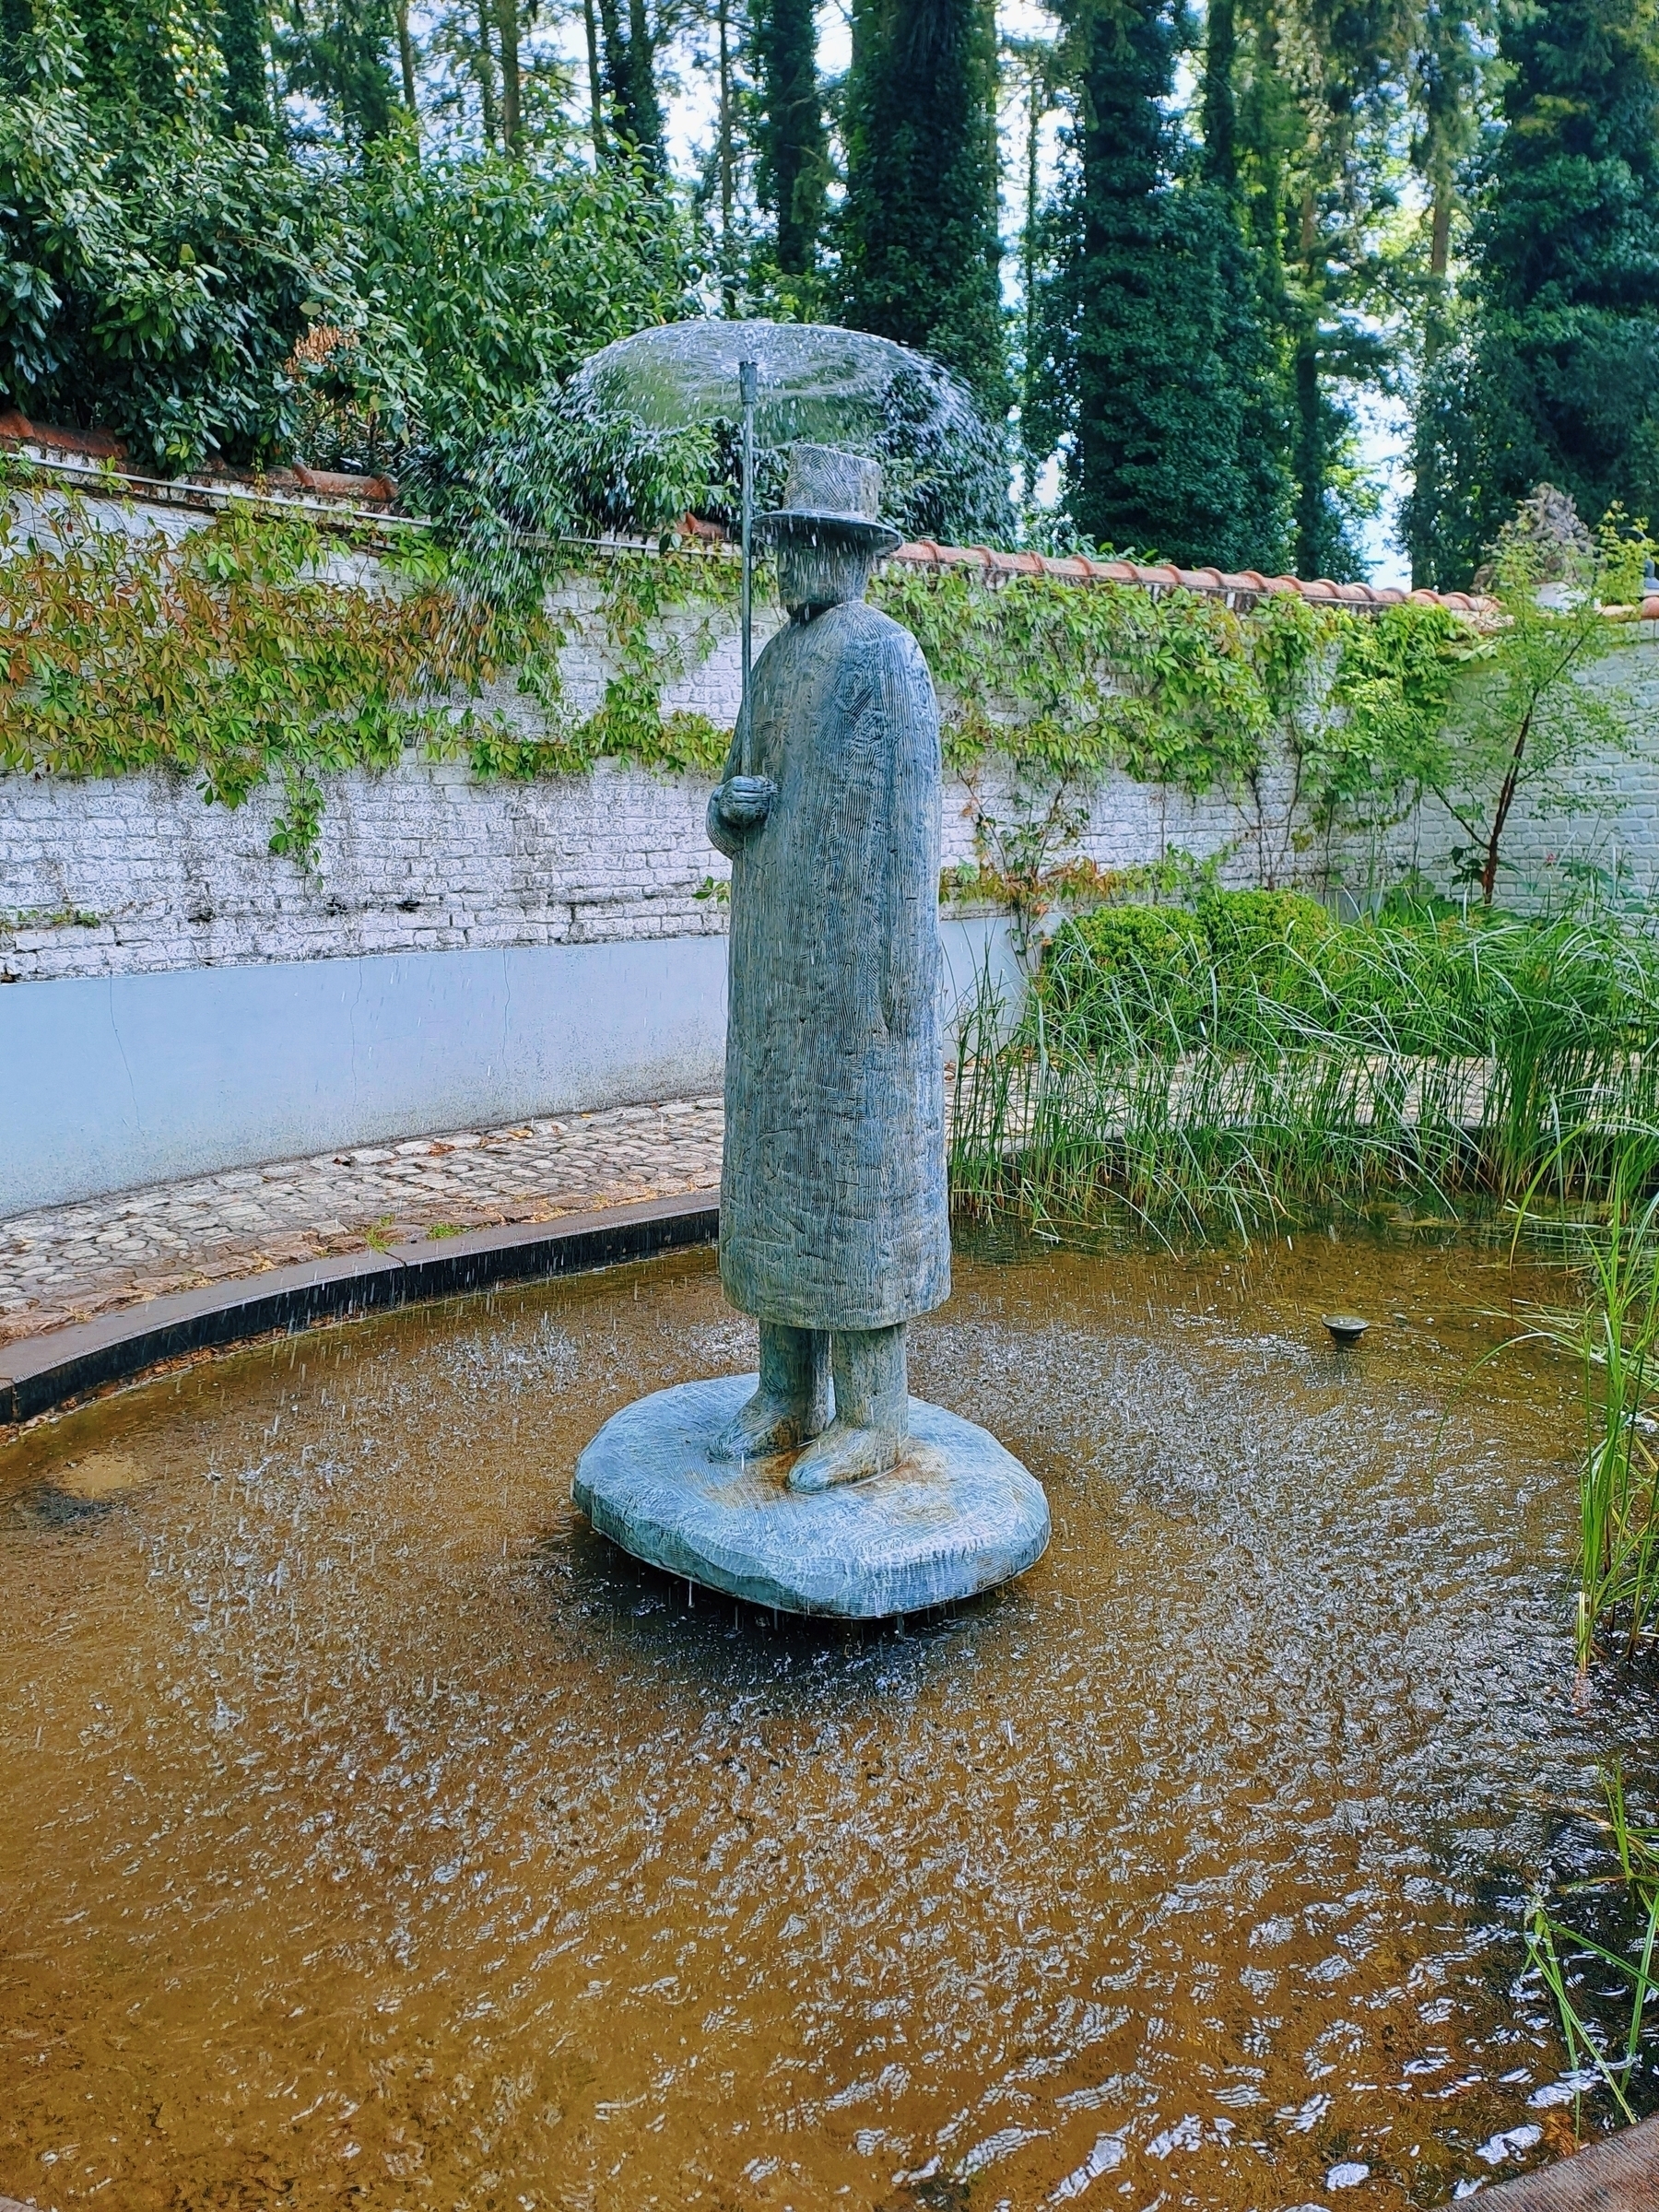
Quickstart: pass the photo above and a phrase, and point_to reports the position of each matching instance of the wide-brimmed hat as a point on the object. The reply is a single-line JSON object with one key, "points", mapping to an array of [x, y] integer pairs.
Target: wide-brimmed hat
{"points": [[834, 494]]}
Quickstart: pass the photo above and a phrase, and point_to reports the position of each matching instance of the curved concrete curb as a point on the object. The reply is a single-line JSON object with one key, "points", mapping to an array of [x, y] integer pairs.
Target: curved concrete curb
{"points": [[43, 1372], [1620, 2175]]}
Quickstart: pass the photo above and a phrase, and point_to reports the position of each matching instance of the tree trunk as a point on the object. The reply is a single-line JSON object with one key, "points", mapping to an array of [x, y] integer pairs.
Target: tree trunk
{"points": [[1500, 813], [484, 61], [1028, 254], [405, 54], [1220, 113], [728, 281], [244, 38], [595, 83], [1309, 433], [644, 115], [613, 49], [507, 24]]}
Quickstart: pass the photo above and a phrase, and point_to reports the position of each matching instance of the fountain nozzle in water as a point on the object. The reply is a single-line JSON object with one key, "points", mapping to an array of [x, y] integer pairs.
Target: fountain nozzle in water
{"points": [[1346, 1329]]}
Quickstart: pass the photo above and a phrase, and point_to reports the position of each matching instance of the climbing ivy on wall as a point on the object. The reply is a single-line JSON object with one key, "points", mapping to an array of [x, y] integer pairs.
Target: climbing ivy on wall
{"points": [[1180, 689], [639, 594], [259, 648], [234, 653]]}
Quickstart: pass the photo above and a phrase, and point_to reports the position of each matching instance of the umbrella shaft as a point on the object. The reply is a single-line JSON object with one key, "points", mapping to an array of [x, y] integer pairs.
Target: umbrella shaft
{"points": [[746, 380]]}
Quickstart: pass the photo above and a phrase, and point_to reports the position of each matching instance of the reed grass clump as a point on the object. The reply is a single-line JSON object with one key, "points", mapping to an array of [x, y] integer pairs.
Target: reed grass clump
{"points": [[1573, 1964], [1613, 1335], [1237, 1059]]}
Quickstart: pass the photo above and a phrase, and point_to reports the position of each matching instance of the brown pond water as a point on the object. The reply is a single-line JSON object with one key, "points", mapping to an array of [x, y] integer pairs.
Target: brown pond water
{"points": [[370, 1832]]}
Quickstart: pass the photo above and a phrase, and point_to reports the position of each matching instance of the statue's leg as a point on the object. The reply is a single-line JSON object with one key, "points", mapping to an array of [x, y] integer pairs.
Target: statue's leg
{"points": [[872, 1411], [792, 1402]]}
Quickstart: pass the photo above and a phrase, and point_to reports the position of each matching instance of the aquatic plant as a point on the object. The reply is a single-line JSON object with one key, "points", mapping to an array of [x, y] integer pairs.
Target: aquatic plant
{"points": [[1614, 1337], [1555, 1946], [1230, 1061]]}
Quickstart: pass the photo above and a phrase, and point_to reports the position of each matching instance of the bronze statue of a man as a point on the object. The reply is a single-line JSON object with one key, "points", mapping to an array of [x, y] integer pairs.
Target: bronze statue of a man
{"points": [[834, 1229]]}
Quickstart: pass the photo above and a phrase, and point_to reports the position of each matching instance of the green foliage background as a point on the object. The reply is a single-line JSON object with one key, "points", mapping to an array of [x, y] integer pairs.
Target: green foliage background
{"points": [[338, 233], [161, 266]]}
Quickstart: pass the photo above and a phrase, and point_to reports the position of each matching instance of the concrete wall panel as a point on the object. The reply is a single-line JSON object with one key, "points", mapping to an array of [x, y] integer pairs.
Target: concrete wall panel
{"points": [[108, 1082]]}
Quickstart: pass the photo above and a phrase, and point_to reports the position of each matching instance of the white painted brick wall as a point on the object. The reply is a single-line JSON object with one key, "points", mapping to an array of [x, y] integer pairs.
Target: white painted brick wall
{"points": [[1619, 816], [423, 858]]}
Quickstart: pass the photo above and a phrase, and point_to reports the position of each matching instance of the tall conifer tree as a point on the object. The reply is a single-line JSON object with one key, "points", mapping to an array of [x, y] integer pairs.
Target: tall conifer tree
{"points": [[636, 111], [1310, 140], [340, 52], [793, 166], [920, 250], [1452, 37], [1557, 379], [1158, 354], [243, 37]]}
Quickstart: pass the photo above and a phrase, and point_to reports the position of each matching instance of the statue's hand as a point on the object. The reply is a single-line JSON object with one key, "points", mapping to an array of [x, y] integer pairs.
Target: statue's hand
{"points": [[745, 801]]}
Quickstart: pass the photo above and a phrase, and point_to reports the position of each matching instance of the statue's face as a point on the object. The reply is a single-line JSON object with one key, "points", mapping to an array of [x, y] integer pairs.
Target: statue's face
{"points": [[816, 571]]}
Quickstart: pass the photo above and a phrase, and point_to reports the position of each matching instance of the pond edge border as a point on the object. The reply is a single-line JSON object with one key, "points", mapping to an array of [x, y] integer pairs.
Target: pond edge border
{"points": [[1616, 2174], [60, 1367], [45, 1373]]}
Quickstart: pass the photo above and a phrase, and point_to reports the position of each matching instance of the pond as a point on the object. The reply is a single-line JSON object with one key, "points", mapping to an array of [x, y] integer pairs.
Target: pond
{"points": [[371, 1831]]}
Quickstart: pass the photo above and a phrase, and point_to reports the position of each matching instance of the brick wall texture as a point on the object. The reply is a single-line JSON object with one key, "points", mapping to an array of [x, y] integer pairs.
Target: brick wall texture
{"points": [[138, 874]]}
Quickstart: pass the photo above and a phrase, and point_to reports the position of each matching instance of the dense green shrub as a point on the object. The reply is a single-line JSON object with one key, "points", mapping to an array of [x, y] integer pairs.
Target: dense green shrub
{"points": [[1165, 976], [206, 295], [154, 282], [1134, 970], [1274, 943]]}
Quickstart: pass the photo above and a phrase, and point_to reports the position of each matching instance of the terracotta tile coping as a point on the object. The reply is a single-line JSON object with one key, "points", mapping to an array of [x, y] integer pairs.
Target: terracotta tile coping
{"points": [[81, 453], [39, 1374], [98, 445], [1242, 584], [85, 454]]}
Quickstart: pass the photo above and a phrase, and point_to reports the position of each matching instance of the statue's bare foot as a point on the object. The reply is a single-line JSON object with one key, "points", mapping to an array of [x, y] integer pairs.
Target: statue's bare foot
{"points": [[845, 1454], [767, 1424]]}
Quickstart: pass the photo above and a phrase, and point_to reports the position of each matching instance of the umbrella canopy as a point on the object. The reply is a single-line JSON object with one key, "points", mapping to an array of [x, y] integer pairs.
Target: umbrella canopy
{"points": [[816, 381]]}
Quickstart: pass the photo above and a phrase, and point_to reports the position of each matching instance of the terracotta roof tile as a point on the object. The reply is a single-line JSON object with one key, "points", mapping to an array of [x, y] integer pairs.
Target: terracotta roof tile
{"points": [[327, 484], [1077, 568], [349, 491], [16, 430]]}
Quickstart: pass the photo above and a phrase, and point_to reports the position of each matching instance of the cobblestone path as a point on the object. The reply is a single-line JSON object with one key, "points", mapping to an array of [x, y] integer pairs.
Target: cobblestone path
{"points": [[68, 1262]]}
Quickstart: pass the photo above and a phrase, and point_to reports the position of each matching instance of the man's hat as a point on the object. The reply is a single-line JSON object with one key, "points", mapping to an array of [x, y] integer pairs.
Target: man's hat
{"points": [[833, 494]]}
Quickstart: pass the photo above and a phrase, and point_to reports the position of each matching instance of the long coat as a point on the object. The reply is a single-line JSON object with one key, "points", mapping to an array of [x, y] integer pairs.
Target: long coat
{"points": [[833, 1212]]}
